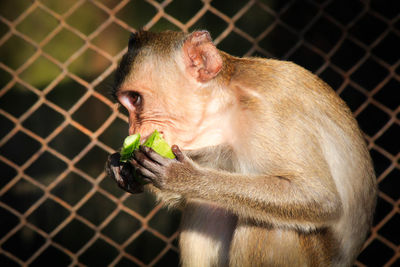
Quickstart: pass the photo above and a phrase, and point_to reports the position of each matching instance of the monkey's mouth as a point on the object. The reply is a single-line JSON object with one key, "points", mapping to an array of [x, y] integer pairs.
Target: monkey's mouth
{"points": [[145, 137]]}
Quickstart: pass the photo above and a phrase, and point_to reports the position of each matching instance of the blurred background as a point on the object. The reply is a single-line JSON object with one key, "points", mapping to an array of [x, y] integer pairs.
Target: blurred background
{"points": [[58, 121]]}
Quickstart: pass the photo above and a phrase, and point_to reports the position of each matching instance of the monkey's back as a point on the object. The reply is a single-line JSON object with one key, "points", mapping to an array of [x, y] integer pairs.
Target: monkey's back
{"points": [[300, 101]]}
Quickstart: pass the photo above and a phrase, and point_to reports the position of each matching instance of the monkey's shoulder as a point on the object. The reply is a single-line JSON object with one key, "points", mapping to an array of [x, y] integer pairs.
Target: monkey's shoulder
{"points": [[277, 83], [272, 74]]}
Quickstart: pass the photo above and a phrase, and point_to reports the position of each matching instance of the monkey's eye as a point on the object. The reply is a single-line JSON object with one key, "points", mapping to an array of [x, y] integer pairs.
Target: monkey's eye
{"points": [[134, 98], [130, 99]]}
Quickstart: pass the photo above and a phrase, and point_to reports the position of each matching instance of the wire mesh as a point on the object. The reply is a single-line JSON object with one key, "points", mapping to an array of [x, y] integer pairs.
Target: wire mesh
{"points": [[59, 123]]}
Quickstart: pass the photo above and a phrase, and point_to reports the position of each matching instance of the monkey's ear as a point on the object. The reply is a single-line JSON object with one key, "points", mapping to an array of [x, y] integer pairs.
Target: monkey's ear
{"points": [[201, 57]]}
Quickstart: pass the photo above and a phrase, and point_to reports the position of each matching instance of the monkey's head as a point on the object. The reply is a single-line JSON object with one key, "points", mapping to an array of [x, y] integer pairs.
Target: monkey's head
{"points": [[169, 81]]}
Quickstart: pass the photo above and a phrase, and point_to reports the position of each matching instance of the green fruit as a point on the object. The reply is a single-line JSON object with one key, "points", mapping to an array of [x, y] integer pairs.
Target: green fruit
{"points": [[159, 145], [131, 143], [155, 141]]}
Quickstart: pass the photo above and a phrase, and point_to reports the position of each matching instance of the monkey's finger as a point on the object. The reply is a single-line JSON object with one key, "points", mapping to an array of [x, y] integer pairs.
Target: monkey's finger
{"points": [[113, 166], [134, 180], [113, 159], [148, 164], [113, 171], [154, 155], [178, 153], [145, 160], [145, 175], [128, 181], [126, 170], [139, 156]]}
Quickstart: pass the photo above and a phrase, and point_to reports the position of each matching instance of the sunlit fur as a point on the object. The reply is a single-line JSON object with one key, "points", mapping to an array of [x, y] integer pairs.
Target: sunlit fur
{"points": [[281, 175]]}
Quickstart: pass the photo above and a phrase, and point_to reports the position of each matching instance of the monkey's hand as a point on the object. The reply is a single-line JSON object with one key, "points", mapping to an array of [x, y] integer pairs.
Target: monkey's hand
{"points": [[160, 171], [123, 174]]}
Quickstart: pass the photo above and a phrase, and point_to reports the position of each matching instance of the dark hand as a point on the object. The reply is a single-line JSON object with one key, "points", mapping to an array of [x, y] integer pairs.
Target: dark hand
{"points": [[158, 170], [123, 174]]}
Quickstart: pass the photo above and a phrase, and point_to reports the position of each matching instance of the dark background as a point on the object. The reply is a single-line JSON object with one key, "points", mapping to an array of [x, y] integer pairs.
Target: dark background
{"points": [[59, 122]]}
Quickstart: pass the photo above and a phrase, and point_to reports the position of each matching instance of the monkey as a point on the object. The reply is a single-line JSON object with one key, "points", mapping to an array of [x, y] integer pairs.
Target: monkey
{"points": [[271, 168]]}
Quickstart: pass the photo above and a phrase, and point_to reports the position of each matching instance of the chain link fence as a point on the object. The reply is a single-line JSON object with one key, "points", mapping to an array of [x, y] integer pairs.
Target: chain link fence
{"points": [[59, 122]]}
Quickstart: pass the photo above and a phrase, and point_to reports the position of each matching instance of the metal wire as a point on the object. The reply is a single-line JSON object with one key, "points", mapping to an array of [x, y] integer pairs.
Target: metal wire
{"points": [[324, 56]]}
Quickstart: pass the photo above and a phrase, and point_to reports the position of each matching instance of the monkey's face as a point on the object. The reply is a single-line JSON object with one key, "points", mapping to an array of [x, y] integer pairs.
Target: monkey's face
{"points": [[174, 92], [157, 96]]}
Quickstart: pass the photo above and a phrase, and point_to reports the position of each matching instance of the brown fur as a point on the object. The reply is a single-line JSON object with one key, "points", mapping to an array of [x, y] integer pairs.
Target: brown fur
{"points": [[278, 171]]}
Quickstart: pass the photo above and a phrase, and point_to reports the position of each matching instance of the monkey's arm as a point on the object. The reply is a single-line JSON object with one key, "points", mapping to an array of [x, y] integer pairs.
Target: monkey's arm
{"points": [[295, 198]]}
